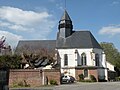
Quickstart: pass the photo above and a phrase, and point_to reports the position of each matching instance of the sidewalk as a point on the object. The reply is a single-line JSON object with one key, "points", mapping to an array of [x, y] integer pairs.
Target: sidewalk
{"points": [[34, 88]]}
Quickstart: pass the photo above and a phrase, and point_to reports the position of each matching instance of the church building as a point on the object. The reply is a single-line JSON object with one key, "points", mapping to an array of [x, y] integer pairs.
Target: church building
{"points": [[78, 52]]}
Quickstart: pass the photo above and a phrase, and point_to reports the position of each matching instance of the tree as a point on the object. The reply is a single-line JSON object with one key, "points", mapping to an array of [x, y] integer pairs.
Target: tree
{"points": [[112, 54], [10, 61], [36, 56]]}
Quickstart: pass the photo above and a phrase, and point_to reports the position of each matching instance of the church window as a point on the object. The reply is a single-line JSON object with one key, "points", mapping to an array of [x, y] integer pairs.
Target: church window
{"points": [[96, 60], [65, 59], [83, 59]]}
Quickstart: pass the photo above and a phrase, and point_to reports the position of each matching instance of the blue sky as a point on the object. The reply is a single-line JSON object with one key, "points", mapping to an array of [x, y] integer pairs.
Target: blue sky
{"points": [[38, 19]]}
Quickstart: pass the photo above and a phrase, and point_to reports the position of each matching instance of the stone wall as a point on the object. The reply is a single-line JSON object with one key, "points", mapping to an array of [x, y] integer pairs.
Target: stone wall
{"points": [[33, 77]]}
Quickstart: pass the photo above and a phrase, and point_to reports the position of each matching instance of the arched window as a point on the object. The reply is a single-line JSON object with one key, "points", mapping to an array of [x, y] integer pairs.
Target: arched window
{"points": [[96, 59], [65, 59], [83, 59]]}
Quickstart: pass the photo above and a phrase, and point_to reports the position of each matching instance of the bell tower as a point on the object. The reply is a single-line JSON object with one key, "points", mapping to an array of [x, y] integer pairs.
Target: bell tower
{"points": [[65, 26]]}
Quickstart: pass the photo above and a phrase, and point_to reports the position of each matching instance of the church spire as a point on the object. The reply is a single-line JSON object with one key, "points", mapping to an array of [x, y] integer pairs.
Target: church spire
{"points": [[65, 25], [65, 16]]}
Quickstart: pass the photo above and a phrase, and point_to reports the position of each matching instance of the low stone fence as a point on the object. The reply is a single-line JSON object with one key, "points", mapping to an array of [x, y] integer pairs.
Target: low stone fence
{"points": [[33, 77]]}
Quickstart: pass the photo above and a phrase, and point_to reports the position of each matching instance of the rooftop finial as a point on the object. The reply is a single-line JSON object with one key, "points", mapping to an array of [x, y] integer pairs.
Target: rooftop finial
{"points": [[65, 4]]}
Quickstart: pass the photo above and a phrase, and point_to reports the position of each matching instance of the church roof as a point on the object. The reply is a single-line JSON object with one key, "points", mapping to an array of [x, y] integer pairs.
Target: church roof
{"points": [[78, 39], [65, 16], [35, 45]]}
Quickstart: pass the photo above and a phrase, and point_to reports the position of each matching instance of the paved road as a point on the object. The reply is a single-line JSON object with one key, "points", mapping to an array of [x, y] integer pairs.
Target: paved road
{"points": [[82, 86], [90, 86]]}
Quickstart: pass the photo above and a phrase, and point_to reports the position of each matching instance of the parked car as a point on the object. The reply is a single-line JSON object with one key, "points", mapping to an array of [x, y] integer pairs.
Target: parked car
{"points": [[67, 79]]}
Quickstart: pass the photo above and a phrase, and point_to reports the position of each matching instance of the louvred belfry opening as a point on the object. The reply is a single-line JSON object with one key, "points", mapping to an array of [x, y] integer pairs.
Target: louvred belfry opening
{"points": [[65, 25]]}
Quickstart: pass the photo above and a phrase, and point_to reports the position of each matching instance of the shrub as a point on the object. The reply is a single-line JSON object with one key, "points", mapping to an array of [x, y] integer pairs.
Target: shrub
{"points": [[20, 84], [15, 84], [53, 82], [93, 79], [117, 78], [81, 77]]}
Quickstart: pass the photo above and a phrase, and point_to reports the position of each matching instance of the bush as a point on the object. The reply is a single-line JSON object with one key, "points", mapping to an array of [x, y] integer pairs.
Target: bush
{"points": [[117, 78], [20, 84], [81, 77], [53, 82], [93, 79]]}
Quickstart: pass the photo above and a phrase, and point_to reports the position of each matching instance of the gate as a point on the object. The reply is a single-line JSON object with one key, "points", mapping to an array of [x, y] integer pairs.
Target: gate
{"points": [[4, 78]]}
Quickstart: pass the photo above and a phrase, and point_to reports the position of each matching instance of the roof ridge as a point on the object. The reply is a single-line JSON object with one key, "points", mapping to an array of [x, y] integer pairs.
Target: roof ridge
{"points": [[91, 36], [92, 43]]}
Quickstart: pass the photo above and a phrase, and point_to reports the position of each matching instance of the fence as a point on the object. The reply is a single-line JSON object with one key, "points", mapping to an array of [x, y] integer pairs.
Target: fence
{"points": [[32, 77]]}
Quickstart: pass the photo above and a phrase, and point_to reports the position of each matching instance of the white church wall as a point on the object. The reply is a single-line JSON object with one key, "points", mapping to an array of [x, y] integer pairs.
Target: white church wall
{"points": [[88, 55], [102, 57], [73, 61], [70, 72], [71, 57], [104, 64], [110, 66]]}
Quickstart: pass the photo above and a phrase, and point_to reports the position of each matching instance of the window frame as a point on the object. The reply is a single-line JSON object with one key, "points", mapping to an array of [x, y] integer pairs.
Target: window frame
{"points": [[97, 63], [65, 60], [83, 59]]}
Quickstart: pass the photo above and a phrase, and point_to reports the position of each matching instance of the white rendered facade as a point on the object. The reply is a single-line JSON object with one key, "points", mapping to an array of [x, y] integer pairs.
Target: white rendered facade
{"points": [[74, 60]]}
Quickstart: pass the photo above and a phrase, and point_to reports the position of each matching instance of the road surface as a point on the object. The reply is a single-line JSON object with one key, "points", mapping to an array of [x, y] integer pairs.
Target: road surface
{"points": [[80, 86]]}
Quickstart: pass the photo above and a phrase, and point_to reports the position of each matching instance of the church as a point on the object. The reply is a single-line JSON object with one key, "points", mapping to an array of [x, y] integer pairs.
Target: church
{"points": [[78, 52]]}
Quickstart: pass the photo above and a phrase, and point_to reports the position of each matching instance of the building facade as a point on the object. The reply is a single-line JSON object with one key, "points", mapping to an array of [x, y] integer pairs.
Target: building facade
{"points": [[78, 52]]}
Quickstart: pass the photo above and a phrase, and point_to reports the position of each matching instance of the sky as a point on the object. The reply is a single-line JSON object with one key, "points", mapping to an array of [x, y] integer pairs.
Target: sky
{"points": [[39, 19]]}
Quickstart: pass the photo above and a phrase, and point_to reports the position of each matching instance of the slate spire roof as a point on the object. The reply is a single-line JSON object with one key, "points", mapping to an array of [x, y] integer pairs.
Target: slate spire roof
{"points": [[65, 25], [65, 16]]}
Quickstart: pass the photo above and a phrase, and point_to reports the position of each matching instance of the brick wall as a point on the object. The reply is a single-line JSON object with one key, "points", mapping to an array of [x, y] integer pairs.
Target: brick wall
{"points": [[52, 75], [78, 72], [94, 72], [33, 77]]}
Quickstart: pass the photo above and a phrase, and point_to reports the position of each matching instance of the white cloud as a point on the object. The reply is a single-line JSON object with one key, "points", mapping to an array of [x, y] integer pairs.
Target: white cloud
{"points": [[60, 6], [11, 39], [115, 3], [37, 25], [110, 30], [18, 16]]}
